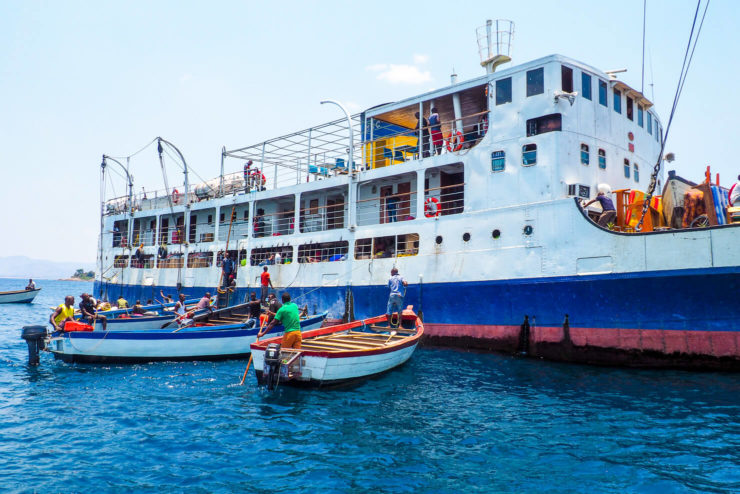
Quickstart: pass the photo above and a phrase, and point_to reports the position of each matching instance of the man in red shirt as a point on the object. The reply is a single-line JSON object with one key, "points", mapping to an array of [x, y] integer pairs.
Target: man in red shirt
{"points": [[266, 282]]}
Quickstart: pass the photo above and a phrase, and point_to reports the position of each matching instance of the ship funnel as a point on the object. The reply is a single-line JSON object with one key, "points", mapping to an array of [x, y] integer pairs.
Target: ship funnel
{"points": [[494, 43]]}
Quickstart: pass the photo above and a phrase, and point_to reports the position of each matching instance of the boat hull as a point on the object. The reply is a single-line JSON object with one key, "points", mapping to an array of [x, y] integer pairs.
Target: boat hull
{"points": [[693, 324], [197, 343], [19, 296]]}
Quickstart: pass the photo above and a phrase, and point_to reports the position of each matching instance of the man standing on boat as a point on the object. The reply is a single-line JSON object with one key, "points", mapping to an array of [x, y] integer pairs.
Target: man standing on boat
{"points": [[397, 286], [64, 313], [288, 316], [87, 308], [266, 284]]}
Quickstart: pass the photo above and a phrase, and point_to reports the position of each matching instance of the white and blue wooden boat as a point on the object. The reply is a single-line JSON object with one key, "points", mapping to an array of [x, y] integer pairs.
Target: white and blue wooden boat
{"points": [[207, 340], [18, 296], [338, 355]]}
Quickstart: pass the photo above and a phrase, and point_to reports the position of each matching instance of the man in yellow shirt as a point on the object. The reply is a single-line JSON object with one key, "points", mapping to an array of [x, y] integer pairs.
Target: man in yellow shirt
{"points": [[65, 312]]}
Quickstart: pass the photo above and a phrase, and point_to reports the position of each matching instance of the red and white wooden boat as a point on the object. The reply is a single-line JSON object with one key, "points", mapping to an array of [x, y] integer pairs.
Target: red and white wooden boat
{"points": [[338, 354]]}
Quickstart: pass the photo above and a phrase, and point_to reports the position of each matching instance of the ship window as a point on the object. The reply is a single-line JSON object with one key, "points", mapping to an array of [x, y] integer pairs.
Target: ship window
{"points": [[602, 93], [586, 85], [640, 116], [626, 168], [630, 110], [503, 91], [120, 261], [585, 155], [636, 172], [246, 214], [542, 125], [535, 81], [498, 161], [143, 261], [602, 159], [566, 76], [386, 247], [221, 218], [271, 255], [323, 252], [200, 259], [529, 154], [617, 101], [657, 132], [650, 123], [210, 219]]}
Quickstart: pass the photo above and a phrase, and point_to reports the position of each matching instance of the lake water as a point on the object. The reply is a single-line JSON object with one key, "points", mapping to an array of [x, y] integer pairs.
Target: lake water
{"points": [[448, 421]]}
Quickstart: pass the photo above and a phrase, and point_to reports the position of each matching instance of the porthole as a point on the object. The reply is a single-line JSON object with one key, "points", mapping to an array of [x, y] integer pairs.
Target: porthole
{"points": [[528, 230], [438, 239], [496, 233], [466, 237]]}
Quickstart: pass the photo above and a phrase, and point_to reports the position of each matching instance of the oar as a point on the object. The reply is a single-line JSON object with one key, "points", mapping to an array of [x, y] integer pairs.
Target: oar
{"points": [[250, 360], [393, 333]]}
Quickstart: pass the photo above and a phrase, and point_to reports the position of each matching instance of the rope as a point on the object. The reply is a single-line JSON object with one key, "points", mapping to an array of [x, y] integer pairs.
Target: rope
{"points": [[688, 57]]}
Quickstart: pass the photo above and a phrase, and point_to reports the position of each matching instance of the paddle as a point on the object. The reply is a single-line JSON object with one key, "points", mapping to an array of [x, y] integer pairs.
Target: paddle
{"points": [[250, 359], [393, 333]]}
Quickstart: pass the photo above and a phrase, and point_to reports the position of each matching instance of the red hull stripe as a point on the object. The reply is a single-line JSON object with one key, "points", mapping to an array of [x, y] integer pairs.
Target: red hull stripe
{"points": [[714, 343]]}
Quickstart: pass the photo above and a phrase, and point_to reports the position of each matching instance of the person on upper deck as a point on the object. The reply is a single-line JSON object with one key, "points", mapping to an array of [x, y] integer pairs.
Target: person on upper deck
{"points": [[436, 132], [423, 123], [735, 193], [608, 211], [247, 171], [31, 285]]}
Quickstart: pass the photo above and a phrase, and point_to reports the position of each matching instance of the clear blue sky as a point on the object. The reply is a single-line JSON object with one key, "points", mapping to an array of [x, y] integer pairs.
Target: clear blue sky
{"points": [[79, 79]]}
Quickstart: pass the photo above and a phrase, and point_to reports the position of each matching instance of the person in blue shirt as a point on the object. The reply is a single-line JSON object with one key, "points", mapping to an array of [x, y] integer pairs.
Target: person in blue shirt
{"points": [[397, 286], [227, 267], [608, 211]]}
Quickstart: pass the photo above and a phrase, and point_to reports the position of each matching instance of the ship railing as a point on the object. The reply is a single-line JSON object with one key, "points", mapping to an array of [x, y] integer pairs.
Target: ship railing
{"points": [[321, 218], [143, 261], [267, 256], [147, 237], [398, 144], [323, 252], [275, 224], [390, 208], [443, 201], [173, 260], [121, 261], [314, 153], [239, 230], [382, 247], [202, 232], [200, 259]]}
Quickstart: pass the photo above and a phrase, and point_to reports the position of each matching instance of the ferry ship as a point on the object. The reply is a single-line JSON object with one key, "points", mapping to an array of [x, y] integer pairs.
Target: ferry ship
{"points": [[480, 212]]}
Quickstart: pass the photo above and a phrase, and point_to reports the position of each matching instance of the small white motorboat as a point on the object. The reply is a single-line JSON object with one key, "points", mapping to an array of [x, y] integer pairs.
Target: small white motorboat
{"points": [[19, 296], [337, 355]]}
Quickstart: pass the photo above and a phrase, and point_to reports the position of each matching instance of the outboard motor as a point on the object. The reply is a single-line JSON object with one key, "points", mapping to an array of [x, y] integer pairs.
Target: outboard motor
{"points": [[271, 370], [35, 337]]}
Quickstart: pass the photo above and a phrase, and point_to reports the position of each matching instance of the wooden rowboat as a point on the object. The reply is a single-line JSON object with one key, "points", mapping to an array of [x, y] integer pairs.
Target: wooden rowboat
{"points": [[337, 355], [18, 296]]}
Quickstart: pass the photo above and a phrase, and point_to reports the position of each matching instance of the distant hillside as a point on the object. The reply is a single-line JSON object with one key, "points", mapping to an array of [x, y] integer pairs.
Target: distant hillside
{"points": [[25, 267]]}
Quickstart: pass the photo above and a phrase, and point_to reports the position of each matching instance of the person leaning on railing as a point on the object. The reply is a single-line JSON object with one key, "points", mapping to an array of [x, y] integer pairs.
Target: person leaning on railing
{"points": [[609, 212]]}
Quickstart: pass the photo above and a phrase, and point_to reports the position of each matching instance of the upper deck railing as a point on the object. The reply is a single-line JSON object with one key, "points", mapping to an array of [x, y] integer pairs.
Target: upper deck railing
{"points": [[318, 153]]}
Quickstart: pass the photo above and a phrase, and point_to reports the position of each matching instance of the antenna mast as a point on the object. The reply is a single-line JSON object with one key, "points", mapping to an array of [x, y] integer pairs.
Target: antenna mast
{"points": [[494, 43]]}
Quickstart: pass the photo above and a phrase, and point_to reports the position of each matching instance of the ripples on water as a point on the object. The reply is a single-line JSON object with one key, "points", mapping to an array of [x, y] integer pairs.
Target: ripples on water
{"points": [[448, 421]]}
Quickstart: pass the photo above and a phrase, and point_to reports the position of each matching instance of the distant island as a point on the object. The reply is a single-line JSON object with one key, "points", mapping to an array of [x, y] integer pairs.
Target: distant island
{"points": [[83, 275]]}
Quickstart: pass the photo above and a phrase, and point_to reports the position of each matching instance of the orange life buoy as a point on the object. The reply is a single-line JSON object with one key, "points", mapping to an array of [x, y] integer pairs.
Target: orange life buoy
{"points": [[175, 196], [455, 142], [431, 207]]}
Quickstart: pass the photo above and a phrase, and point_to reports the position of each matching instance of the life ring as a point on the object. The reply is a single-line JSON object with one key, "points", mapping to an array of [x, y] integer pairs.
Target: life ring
{"points": [[175, 195], [431, 207], [455, 142]]}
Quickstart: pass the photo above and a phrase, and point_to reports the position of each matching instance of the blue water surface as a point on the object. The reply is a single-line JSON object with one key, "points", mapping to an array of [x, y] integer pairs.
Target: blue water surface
{"points": [[448, 421]]}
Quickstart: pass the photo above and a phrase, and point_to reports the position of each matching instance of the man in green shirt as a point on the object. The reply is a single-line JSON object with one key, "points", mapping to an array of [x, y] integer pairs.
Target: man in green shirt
{"points": [[288, 316]]}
